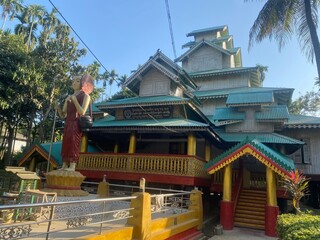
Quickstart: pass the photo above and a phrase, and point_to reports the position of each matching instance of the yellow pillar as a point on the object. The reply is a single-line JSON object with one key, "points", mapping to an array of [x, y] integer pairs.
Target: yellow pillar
{"points": [[116, 147], [133, 142], [227, 182], [84, 143], [141, 216], [196, 205], [271, 188], [32, 165], [51, 167], [192, 144], [207, 153]]}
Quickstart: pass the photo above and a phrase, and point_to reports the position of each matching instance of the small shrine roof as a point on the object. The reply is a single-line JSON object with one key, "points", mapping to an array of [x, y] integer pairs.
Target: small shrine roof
{"points": [[278, 162], [143, 101], [250, 98], [211, 29], [302, 121], [43, 150]]}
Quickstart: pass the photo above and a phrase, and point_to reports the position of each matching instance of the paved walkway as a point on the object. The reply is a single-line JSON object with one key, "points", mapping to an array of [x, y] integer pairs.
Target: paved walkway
{"points": [[242, 234]]}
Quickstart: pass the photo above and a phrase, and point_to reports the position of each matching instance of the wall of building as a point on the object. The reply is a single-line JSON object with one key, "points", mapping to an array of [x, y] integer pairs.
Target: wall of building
{"points": [[209, 105], [311, 152], [154, 83], [222, 82], [250, 124], [206, 58]]}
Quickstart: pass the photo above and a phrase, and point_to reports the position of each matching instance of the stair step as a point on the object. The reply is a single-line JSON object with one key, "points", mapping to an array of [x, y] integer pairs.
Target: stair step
{"points": [[251, 200], [247, 220], [256, 205], [253, 195], [249, 225], [245, 211], [249, 216], [244, 190]]}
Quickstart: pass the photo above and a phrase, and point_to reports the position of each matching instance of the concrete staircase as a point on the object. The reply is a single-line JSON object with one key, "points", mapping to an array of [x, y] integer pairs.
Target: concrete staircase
{"points": [[250, 209]]}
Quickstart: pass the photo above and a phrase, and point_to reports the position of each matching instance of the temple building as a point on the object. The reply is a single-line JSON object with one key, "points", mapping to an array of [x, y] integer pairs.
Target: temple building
{"points": [[204, 120]]}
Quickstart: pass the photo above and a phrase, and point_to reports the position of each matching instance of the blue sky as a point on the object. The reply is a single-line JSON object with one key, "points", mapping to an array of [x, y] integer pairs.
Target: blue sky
{"points": [[125, 33]]}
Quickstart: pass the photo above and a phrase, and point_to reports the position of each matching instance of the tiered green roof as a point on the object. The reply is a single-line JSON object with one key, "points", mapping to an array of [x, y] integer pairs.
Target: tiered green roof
{"points": [[249, 98], [262, 137]]}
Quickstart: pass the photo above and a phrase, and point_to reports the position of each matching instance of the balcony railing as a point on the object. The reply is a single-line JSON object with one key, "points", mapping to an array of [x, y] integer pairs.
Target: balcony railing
{"points": [[180, 165]]}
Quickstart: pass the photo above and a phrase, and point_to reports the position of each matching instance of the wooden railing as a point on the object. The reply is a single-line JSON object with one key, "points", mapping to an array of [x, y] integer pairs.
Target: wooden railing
{"points": [[218, 177], [156, 164]]}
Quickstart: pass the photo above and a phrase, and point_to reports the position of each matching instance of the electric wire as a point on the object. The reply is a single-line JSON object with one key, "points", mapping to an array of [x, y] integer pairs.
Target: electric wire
{"points": [[171, 30]]}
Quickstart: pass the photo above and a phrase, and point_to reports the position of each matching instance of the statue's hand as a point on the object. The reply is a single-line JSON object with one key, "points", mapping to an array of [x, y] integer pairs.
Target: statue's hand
{"points": [[73, 98]]}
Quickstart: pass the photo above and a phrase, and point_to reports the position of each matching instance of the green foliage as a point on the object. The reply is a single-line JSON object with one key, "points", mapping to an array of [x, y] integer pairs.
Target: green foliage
{"points": [[307, 104], [298, 227]]}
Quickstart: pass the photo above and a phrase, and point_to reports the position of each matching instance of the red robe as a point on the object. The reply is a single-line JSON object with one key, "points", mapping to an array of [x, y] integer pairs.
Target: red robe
{"points": [[72, 133]]}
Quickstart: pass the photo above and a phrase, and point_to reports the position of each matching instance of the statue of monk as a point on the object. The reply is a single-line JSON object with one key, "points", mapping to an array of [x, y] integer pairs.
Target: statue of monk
{"points": [[74, 106]]}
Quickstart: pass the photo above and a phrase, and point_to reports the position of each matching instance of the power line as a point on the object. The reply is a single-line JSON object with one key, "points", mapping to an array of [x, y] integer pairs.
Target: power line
{"points": [[171, 31], [75, 32]]}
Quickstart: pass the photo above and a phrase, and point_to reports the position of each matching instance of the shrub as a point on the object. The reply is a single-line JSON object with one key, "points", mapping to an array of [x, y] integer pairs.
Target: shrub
{"points": [[298, 227]]}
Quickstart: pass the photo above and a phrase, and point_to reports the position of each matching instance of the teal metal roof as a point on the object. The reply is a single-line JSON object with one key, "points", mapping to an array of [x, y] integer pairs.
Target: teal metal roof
{"points": [[227, 114], [279, 159], [250, 98], [223, 93], [302, 121], [143, 101], [170, 122], [273, 113], [223, 71], [262, 137], [216, 40], [55, 151], [212, 29]]}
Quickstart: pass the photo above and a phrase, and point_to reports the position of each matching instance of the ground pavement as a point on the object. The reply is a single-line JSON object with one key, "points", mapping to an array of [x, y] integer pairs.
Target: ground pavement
{"points": [[242, 234]]}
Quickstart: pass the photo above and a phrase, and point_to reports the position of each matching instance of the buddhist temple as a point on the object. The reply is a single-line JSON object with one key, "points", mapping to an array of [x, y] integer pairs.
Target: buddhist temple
{"points": [[204, 120]]}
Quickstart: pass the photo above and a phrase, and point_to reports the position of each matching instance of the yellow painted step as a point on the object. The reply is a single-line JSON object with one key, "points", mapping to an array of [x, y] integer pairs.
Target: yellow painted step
{"points": [[249, 225], [248, 220], [257, 205], [249, 208], [255, 213], [249, 216]]}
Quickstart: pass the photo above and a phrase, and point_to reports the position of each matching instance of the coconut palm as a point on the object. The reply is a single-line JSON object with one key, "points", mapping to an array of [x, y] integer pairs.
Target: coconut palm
{"points": [[23, 28], [112, 77], [49, 22], [34, 15], [280, 19], [9, 7]]}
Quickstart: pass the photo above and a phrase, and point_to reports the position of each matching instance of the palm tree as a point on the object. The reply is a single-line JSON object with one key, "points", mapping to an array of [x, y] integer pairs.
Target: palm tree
{"points": [[23, 28], [34, 14], [279, 19], [112, 77], [121, 80], [50, 22], [10, 7]]}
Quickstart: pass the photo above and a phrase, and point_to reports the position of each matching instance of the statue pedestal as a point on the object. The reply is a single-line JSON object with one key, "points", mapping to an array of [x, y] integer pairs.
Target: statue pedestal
{"points": [[65, 183]]}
